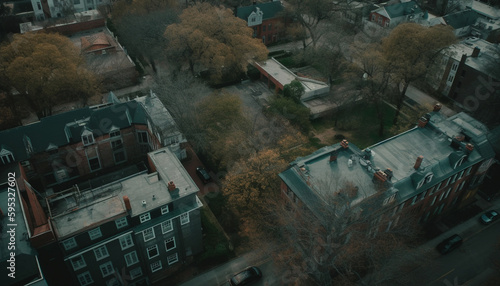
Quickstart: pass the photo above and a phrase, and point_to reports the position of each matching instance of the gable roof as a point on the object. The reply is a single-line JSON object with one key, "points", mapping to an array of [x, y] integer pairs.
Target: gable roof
{"points": [[269, 10], [461, 19], [66, 128], [399, 10]]}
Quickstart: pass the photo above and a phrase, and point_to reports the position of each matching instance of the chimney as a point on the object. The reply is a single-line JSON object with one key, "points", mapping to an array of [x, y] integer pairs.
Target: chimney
{"points": [[171, 186], [437, 107], [380, 176], [469, 147], [344, 143], [333, 156], [460, 137], [422, 122], [475, 52], [143, 203], [418, 162], [127, 203], [389, 173]]}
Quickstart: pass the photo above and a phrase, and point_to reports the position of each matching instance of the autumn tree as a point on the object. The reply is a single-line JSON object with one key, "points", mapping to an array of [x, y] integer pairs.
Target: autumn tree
{"points": [[212, 39], [46, 69], [410, 49]]}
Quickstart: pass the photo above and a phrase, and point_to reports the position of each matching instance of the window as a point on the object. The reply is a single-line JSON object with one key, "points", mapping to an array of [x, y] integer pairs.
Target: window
{"points": [[155, 266], [264, 39], [414, 200], [78, 262], [136, 272], [39, 5], [447, 193], [114, 133], [184, 218], [448, 182], [422, 196], [107, 269], [441, 196], [433, 200], [131, 258], [117, 145], [454, 67], [461, 174], [454, 178], [87, 137], [142, 137], [69, 243], [450, 78], [152, 251], [121, 222], [101, 252], [148, 234], [95, 233], [6, 157], [118, 151], [126, 241], [145, 217], [373, 17], [166, 226], [172, 259], [170, 243], [164, 209], [252, 19], [85, 279], [459, 162], [93, 159], [387, 23], [468, 171], [428, 178]]}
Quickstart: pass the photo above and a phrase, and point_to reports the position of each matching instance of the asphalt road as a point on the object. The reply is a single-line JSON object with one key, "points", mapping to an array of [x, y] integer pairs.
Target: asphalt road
{"points": [[474, 263], [221, 275]]}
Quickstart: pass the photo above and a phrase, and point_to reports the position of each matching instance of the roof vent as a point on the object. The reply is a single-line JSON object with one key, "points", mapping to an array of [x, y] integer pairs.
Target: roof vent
{"points": [[437, 107], [344, 143], [143, 203], [171, 186], [422, 122], [469, 147]]}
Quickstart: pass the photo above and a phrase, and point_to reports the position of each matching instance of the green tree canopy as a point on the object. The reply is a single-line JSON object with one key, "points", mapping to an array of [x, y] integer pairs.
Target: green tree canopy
{"points": [[212, 38], [294, 90], [46, 69]]}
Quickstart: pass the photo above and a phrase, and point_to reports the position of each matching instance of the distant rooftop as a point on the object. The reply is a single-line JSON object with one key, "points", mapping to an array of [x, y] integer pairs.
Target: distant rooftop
{"points": [[269, 10], [485, 10], [82, 210], [488, 53]]}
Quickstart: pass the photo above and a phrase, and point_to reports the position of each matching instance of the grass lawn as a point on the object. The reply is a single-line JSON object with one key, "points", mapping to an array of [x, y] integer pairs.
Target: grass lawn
{"points": [[361, 122]]}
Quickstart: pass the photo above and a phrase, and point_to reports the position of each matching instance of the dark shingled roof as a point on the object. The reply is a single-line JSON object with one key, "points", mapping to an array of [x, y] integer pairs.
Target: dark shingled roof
{"points": [[461, 19], [269, 10], [66, 128]]}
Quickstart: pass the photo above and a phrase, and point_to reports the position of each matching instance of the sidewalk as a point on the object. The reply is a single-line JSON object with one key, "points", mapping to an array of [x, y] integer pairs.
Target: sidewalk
{"points": [[423, 99]]}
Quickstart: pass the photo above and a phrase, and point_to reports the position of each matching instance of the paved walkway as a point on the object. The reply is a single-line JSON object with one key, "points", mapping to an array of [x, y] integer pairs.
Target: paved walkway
{"points": [[426, 100]]}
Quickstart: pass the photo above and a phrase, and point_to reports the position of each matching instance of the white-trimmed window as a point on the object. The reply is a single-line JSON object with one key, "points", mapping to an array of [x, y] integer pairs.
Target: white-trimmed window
{"points": [[152, 251], [121, 222], [6, 157], [454, 178], [101, 252], [155, 266], [166, 226], [126, 241], [107, 269], [143, 137], [145, 217], [95, 233], [164, 209], [93, 159], [459, 162], [118, 151], [172, 259], [87, 137], [422, 196], [114, 133], [448, 182], [136, 272], [85, 279], [184, 218], [461, 174], [148, 234], [131, 258], [433, 200], [414, 200], [170, 244], [447, 193], [468, 171], [78, 262], [441, 196], [69, 243]]}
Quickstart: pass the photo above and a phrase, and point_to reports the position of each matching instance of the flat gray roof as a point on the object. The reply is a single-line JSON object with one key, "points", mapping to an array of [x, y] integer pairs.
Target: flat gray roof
{"points": [[85, 210]]}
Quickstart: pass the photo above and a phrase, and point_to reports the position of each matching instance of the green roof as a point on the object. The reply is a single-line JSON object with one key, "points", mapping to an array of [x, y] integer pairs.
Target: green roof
{"points": [[66, 128], [269, 10], [402, 9], [461, 19]]}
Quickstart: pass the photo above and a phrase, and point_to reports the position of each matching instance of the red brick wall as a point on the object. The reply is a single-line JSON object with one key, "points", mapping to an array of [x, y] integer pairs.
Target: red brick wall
{"points": [[73, 28]]}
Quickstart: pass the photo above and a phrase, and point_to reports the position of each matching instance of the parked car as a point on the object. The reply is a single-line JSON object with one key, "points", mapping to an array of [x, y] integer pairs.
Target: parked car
{"points": [[449, 244], [489, 217], [203, 174], [245, 277]]}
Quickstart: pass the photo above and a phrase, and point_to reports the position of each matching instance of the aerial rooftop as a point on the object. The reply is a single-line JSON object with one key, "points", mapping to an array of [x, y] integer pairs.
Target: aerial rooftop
{"points": [[74, 210]]}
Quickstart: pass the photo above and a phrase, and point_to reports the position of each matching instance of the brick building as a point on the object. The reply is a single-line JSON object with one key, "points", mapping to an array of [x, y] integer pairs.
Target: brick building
{"points": [[427, 171], [393, 14], [266, 20]]}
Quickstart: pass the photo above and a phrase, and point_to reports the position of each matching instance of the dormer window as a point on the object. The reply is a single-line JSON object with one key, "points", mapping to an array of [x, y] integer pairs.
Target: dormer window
{"points": [[6, 156], [425, 180], [87, 137], [252, 20], [114, 133]]}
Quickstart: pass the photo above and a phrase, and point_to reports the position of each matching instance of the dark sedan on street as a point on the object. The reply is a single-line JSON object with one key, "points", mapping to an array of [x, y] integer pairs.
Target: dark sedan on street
{"points": [[247, 276]]}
